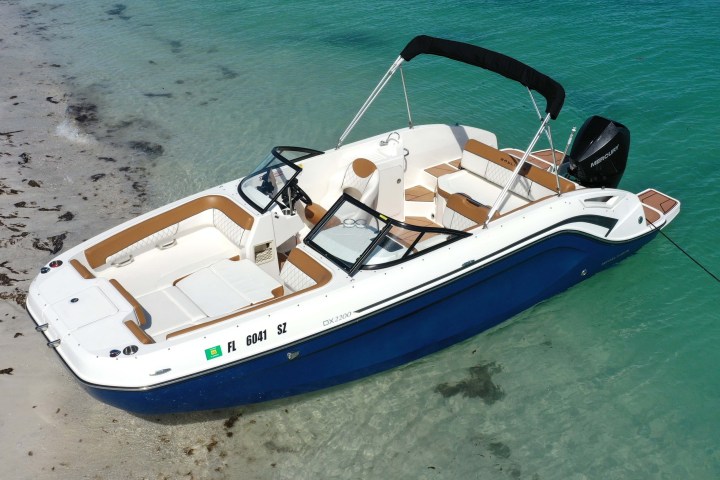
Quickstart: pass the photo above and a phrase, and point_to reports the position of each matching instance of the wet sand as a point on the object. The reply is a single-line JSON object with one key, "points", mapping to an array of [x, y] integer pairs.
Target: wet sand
{"points": [[59, 186]]}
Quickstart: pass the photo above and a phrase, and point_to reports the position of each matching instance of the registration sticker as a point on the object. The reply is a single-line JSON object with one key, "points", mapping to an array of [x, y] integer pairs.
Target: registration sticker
{"points": [[213, 352]]}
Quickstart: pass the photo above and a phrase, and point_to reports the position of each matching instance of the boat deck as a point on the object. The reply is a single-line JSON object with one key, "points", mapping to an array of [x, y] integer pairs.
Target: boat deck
{"points": [[479, 179], [419, 193], [655, 204], [420, 199], [539, 158]]}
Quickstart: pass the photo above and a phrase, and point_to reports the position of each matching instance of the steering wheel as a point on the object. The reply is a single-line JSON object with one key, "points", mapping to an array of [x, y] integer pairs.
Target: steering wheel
{"points": [[300, 194]]}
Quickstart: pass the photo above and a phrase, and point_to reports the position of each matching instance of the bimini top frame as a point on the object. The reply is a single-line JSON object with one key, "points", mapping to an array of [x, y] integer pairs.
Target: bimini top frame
{"points": [[496, 62]]}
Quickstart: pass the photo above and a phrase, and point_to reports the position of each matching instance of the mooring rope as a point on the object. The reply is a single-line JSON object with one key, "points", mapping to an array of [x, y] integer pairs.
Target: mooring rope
{"points": [[686, 253]]}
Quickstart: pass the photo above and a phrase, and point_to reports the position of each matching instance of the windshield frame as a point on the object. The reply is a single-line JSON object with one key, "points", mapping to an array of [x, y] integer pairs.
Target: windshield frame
{"points": [[381, 237], [276, 154]]}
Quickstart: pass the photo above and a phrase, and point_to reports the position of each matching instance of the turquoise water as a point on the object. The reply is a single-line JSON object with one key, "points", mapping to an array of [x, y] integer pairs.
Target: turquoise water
{"points": [[615, 378]]}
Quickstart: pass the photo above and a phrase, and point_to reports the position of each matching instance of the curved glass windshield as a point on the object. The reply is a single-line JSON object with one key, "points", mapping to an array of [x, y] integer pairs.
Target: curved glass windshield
{"points": [[268, 183], [356, 237]]}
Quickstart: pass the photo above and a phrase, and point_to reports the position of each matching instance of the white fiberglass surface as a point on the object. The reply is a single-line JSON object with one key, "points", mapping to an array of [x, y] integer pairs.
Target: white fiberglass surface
{"points": [[157, 269]]}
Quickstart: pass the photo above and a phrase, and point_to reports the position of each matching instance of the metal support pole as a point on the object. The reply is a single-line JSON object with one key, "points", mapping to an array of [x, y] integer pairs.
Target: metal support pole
{"points": [[407, 102], [506, 188], [548, 133], [383, 81]]}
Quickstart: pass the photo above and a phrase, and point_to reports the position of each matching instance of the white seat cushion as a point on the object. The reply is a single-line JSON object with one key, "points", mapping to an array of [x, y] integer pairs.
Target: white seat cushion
{"points": [[469, 184], [169, 308], [456, 221], [247, 279], [227, 286], [362, 181]]}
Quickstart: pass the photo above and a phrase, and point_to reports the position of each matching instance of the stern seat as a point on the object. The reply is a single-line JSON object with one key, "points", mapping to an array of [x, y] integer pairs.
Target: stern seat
{"points": [[484, 170]]}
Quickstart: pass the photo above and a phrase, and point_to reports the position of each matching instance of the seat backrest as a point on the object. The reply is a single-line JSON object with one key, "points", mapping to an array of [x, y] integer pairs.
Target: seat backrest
{"points": [[462, 213], [493, 165], [301, 272], [476, 155], [228, 227], [161, 237], [362, 181], [497, 166], [546, 179], [162, 229]]}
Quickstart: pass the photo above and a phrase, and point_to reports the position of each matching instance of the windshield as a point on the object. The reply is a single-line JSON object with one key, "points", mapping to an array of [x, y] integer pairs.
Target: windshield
{"points": [[268, 183], [355, 237]]}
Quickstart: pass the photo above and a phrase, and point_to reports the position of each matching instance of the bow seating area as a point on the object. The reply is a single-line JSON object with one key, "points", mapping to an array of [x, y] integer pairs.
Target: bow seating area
{"points": [[203, 268]]}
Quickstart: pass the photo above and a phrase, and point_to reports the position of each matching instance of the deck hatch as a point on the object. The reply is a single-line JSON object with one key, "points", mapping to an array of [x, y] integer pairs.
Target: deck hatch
{"points": [[91, 305]]}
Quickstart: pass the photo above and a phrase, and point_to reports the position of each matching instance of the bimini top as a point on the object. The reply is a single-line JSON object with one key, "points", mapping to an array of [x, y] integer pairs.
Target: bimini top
{"points": [[493, 61]]}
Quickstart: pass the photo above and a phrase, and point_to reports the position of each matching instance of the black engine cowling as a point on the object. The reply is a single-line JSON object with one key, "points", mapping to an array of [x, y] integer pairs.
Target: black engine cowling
{"points": [[599, 153]]}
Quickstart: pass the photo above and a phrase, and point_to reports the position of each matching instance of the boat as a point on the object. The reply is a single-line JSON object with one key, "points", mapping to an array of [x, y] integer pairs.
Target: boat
{"points": [[325, 266]]}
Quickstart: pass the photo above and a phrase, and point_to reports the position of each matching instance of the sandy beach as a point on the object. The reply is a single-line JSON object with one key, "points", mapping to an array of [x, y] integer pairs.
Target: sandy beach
{"points": [[59, 186]]}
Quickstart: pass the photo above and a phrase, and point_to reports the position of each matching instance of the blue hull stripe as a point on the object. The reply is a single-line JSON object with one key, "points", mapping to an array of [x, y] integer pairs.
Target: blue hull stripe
{"points": [[594, 219]]}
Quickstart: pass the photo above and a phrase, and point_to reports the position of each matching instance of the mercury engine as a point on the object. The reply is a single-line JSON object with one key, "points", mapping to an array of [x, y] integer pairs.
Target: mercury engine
{"points": [[599, 153]]}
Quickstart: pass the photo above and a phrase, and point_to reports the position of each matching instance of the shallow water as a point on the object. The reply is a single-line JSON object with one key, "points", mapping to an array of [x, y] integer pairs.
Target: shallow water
{"points": [[614, 378]]}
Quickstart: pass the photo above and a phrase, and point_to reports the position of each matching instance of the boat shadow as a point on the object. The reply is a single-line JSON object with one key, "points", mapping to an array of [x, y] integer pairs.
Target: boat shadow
{"points": [[478, 383], [230, 415]]}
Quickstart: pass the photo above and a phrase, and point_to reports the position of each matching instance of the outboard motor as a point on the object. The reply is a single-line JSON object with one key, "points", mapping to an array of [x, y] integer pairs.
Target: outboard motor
{"points": [[599, 153]]}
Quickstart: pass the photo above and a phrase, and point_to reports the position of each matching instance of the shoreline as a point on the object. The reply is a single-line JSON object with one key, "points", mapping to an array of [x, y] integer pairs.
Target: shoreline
{"points": [[59, 186], [63, 179]]}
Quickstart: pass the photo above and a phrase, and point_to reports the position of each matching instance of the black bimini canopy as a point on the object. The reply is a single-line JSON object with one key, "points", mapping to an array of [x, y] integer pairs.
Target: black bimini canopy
{"points": [[493, 61]]}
